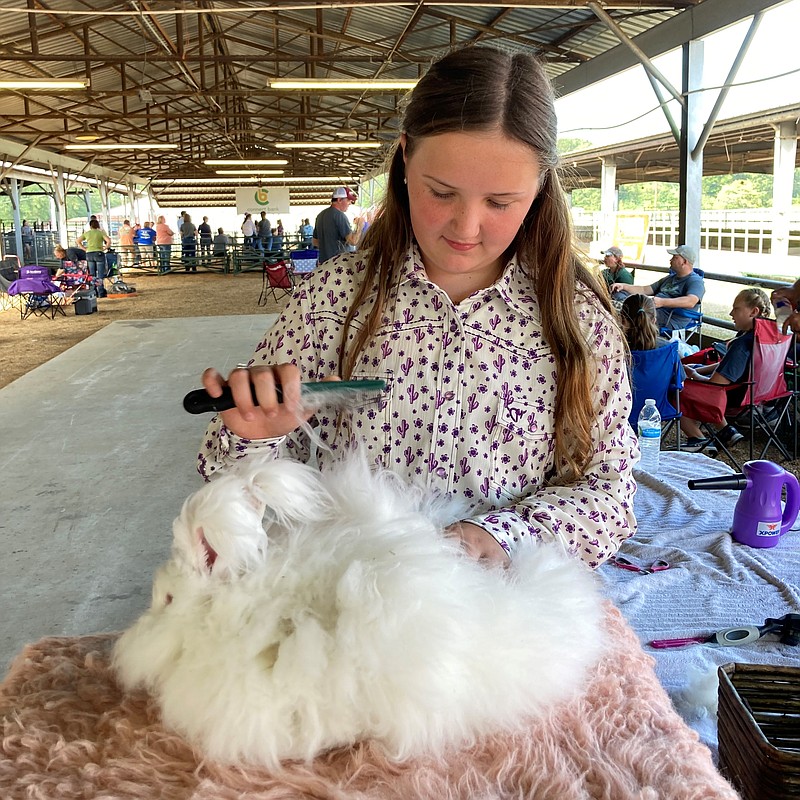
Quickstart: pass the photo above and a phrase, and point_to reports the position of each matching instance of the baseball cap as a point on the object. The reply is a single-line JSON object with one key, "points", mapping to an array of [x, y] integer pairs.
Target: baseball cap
{"points": [[613, 251], [342, 192], [684, 251]]}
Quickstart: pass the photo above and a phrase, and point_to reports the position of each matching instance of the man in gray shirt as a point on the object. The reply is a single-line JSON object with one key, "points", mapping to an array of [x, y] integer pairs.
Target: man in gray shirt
{"points": [[332, 229], [682, 289]]}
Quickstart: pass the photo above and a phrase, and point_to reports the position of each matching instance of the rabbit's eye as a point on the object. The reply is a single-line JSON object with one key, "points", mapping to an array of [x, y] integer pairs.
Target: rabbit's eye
{"points": [[169, 599]]}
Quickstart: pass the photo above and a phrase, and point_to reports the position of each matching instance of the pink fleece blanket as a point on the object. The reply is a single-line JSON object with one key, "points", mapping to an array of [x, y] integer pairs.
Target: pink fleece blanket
{"points": [[68, 732]]}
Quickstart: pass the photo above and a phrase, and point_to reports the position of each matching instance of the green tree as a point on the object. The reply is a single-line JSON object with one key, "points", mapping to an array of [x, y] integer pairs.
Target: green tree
{"points": [[740, 193], [571, 144]]}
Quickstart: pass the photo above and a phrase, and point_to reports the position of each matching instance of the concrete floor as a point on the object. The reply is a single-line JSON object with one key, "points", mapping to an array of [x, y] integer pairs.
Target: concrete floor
{"points": [[97, 457]]}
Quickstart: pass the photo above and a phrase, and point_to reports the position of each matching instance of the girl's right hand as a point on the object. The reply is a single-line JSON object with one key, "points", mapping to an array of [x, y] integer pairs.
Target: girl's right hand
{"points": [[270, 418]]}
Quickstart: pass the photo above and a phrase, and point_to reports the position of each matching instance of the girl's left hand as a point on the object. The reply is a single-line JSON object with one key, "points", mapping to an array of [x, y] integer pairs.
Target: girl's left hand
{"points": [[479, 543]]}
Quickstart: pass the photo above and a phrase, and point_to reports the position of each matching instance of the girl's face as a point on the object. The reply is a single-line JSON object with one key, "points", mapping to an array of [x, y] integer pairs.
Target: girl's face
{"points": [[468, 195], [743, 315]]}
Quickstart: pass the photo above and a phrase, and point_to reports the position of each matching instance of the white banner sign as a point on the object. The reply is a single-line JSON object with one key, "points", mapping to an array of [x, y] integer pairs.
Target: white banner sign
{"points": [[255, 199]]}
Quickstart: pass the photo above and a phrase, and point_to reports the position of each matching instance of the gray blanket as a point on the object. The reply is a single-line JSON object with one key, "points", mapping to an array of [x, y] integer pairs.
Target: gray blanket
{"points": [[713, 583]]}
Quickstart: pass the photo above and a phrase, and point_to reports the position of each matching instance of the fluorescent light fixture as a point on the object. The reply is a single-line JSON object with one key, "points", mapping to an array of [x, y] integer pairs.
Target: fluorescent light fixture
{"points": [[327, 145], [245, 162], [122, 146], [362, 84], [248, 172], [42, 84], [341, 179], [87, 137]]}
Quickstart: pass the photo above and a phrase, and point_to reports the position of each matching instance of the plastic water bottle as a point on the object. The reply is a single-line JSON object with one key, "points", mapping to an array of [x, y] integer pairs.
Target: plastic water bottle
{"points": [[649, 436], [783, 311]]}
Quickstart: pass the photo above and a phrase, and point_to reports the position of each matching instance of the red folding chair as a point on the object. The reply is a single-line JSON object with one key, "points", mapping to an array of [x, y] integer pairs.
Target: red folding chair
{"points": [[743, 403], [277, 281]]}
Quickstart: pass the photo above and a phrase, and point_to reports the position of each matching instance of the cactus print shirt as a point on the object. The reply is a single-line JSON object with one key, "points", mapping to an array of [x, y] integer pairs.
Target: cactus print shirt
{"points": [[469, 404]]}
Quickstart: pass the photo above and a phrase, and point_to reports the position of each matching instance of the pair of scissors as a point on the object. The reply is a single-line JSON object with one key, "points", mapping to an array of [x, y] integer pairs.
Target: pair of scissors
{"points": [[659, 565]]}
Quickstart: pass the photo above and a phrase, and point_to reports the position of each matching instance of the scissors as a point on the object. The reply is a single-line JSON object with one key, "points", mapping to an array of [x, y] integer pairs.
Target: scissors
{"points": [[659, 565]]}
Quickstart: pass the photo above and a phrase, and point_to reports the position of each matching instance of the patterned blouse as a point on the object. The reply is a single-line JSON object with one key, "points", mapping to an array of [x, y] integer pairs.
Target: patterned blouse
{"points": [[469, 404]]}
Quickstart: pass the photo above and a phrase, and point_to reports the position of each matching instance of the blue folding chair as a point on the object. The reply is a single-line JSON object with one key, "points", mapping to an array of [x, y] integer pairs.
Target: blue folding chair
{"points": [[655, 374]]}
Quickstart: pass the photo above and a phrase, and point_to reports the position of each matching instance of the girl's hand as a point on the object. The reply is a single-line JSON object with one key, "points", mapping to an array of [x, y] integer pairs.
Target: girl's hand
{"points": [[479, 544], [270, 418]]}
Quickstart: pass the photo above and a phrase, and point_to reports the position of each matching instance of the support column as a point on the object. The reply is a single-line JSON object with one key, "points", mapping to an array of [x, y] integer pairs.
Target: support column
{"points": [[105, 205], [691, 163], [60, 202], [17, 219], [608, 199], [87, 201], [782, 185]]}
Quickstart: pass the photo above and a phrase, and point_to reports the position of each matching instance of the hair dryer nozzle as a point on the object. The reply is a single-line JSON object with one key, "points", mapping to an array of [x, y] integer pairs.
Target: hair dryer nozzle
{"points": [[735, 481]]}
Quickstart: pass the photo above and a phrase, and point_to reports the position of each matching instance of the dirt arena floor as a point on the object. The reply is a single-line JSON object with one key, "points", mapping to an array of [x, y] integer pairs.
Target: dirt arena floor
{"points": [[25, 344]]}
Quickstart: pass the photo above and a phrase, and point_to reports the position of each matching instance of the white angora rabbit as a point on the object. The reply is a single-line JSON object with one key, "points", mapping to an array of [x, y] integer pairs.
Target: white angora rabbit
{"points": [[346, 614]]}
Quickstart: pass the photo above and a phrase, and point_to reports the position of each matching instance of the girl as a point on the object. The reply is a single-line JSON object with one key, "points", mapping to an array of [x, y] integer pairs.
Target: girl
{"points": [[505, 368], [748, 304], [638, 314]]}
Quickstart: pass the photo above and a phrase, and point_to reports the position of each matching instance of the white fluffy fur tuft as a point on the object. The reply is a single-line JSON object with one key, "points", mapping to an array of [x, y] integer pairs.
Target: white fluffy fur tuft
{"points": [[351, 617]]}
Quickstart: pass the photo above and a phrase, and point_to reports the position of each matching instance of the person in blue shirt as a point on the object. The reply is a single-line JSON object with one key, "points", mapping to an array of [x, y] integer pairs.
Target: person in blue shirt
{"points": [[747, 306], [683, 288], [145, 239]]}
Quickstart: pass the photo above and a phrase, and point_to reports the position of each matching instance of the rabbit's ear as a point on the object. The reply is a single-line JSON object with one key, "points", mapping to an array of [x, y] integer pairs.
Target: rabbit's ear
{"points": [[219, 532], [210, 552]]}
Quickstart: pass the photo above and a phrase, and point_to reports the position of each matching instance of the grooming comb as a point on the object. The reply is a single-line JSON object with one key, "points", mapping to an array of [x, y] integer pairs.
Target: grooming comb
{"points": [[313, 395]]}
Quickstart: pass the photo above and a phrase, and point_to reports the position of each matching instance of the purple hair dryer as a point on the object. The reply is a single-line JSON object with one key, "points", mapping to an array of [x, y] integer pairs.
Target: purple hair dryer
{"points": [[757, 518]]}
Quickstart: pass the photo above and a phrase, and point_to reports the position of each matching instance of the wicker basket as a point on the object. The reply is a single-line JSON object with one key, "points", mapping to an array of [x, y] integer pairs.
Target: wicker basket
{"points": [[759, 730]]}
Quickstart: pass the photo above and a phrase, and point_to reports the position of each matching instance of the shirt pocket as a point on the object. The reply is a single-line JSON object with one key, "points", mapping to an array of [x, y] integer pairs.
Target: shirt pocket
{"points": [[370, 422], [523, 441]]}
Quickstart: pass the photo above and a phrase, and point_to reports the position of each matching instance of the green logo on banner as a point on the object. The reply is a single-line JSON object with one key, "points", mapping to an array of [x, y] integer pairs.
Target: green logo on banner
{"points": [[262, 197]]}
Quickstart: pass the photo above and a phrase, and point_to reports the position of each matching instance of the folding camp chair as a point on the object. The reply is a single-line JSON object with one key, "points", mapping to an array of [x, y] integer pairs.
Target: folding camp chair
{"points": [[743, 403], [36, 293], [277, 280], [657, 374], [304, 262]]}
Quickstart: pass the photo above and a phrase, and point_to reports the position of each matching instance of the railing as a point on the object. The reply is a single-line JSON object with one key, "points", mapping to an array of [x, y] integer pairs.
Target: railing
{"points": [[744, 281], [745, 230]]}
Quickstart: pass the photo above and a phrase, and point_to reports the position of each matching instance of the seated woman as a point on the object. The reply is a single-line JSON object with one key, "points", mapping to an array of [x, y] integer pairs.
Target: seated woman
{"points": [[748, 304], [74, 254]]}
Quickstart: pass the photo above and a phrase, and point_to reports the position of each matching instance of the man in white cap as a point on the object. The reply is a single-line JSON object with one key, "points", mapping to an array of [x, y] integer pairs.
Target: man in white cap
{"points": [[332, 228], [681, 289]]}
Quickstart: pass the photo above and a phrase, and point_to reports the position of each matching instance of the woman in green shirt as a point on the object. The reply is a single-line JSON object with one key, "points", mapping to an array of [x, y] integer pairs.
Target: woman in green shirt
{"points": [[94, 240]]}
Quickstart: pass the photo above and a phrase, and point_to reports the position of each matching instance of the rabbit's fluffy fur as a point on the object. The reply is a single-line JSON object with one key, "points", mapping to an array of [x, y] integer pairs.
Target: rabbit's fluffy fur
{"points": [[346, 614]]}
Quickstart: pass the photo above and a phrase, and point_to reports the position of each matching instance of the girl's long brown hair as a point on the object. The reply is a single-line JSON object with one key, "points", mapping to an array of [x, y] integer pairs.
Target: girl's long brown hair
{"points": [[639, 322], [481, 88]]}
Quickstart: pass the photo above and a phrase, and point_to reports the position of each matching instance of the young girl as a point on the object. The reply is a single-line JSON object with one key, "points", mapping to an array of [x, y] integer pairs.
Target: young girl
{"points": [[638, 315], [505, 368], [748, 304]]}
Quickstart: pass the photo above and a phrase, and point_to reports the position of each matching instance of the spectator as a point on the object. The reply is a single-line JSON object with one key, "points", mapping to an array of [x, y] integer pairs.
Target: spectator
{"points": [[189, 244], [126, 252], [264, 232], [277, 242], [27, 240], [747, 306], [251, 238], [306, 233], [790, 295], [94, 240], [638, 316], [204, 229], [77, 255], [509, 388], [164, 236], [683, 288], [332, 230], [145, 239], [615, 270], [221, 243]]}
